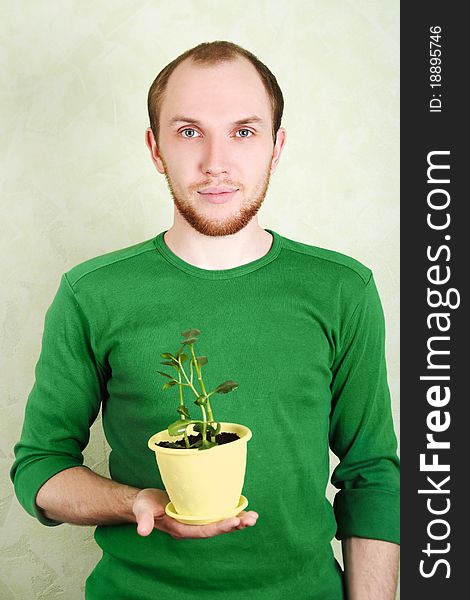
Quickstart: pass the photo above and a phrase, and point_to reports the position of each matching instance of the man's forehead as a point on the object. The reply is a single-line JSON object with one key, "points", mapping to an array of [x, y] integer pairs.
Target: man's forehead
{"points": [[236, 96]]}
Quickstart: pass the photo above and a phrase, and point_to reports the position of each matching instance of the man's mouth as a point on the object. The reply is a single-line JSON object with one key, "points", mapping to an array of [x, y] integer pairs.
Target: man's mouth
{"points": [[222, 189], [218, 195]]}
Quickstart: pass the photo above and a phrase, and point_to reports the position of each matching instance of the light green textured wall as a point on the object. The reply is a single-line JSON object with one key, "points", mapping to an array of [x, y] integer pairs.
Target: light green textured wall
{"points": [[77, 180]]}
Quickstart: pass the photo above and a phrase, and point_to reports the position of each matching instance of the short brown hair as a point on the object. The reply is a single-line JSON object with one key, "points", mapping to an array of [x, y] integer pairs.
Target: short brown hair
{"points": [[209, 53]]}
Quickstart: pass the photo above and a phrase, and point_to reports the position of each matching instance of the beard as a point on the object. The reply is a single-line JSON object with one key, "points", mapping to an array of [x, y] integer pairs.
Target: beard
{"points": [[224, 225]]}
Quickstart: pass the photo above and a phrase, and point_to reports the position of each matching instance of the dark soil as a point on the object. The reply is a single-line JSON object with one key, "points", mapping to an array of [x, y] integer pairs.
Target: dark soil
{"points": [[222, 438]]}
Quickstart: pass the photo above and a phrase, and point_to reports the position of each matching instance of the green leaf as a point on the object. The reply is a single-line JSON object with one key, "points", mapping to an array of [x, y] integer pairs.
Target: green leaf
{"points": [[211, 430], [226, 387], [183, 411], [202, 360], [200, 400], [170, 363], [189, 333], [170, 384], [166, 375], [205, 445], [198, 428], [167, 355], [179, 427], [179, 353]]}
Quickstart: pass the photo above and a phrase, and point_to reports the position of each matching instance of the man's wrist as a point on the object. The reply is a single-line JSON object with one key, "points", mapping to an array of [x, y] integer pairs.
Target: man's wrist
{"points": [[130, 495]]}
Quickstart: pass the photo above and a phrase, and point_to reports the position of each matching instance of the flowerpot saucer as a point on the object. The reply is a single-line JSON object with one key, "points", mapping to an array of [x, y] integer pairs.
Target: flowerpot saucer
{"points": [[201, 520]]}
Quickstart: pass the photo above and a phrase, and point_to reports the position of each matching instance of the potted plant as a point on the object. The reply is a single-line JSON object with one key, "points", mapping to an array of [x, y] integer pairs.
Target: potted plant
{"points": [[203, 469]]}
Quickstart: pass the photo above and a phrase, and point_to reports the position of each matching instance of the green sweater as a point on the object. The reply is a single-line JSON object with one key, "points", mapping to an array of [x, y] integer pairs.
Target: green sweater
{"points": [[302, 331]]}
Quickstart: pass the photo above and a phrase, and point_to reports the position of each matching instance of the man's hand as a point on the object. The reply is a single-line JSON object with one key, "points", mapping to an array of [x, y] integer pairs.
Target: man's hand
{"points": [[149, 510], [79, 496]]}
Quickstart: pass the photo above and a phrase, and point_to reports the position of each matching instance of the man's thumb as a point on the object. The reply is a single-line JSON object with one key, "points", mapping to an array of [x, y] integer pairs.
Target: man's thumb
{"points": [[145, 523]]}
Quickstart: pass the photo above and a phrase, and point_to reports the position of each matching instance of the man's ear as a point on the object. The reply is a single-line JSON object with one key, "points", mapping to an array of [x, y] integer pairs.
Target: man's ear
{"points": [[154, 152], [278, 146]]}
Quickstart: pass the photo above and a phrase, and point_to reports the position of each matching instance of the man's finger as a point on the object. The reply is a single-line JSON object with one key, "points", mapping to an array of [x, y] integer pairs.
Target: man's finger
{"points": [[209, 530], [145, 523], [250, 514], [244, 519]]}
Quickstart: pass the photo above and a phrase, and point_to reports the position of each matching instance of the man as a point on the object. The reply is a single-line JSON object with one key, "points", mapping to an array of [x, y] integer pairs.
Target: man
{"points": [[301, 330]]}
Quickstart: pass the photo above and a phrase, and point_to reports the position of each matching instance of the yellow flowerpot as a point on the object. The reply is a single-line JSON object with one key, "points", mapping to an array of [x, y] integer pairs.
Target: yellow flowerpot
{"points": [[204, 486]]}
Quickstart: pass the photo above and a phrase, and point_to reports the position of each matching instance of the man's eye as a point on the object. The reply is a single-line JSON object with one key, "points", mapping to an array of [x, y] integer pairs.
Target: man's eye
{"points": [[188, 136], [246, 131]]}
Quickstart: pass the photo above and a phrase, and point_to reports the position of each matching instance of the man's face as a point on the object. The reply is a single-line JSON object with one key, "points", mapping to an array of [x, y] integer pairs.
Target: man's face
{"points": [[216, 131]]}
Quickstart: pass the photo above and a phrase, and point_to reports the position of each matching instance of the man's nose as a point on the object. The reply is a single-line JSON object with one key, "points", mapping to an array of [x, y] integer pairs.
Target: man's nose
{"points": [[216, 157]]}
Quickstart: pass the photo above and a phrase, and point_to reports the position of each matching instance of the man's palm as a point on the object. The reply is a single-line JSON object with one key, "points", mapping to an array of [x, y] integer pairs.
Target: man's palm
{"points": [[149, 509]]}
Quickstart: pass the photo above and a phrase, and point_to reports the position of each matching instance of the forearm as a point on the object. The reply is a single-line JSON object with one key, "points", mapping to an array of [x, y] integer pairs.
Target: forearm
{"points": [[82, 497], [370, 568]]}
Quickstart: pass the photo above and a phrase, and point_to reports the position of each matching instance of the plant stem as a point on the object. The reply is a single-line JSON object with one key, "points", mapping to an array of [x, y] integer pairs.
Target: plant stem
{"points": [[207, 403], [201, 383], [180, 386], [189, 382], [204, 418], [209, 418]]}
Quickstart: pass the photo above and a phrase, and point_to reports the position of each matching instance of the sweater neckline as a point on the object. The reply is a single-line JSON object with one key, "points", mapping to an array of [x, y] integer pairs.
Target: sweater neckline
{"points": [[182, 265]]}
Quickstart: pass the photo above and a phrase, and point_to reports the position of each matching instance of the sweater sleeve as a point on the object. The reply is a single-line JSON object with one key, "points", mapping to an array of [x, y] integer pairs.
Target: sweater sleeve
{"points": [[63, 403], [361, 428]]}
